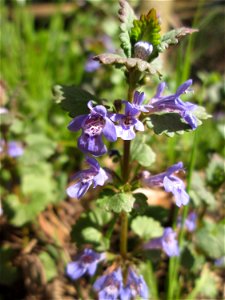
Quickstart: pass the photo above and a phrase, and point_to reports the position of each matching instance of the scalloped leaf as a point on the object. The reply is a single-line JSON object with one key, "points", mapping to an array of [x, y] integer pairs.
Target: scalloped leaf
{"points": [[170, 123], [172, 37], [147, 28], [146, 228], [129, 63], [116, 202], [142, 152], [73, 99], [126, 16]]}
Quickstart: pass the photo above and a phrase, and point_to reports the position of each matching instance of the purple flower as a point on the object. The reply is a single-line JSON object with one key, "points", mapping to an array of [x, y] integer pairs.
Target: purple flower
{"points": [[167, 243], [93, 126], [94, 175], [170, 183], [173, 104], [128, 121], [135, 286], [138, 101], [109, 286], [91, 65], [12, 148], [143, 50], [86, 263], [189, 223]]}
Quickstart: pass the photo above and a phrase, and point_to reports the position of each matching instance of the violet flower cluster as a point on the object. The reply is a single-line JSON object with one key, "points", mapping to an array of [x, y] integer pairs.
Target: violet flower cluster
{"points": [[99, 123], [111, 285]]}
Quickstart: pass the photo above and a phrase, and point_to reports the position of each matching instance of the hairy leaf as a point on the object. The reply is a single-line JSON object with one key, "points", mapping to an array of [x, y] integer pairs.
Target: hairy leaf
{"points": [[146, 228], [147, 29], [117, 202], [170, 123], [172, 37], [73, 99], [142, 152], [199, 193], [49, 265], [129, 63], [126, 16], [210, 239]]}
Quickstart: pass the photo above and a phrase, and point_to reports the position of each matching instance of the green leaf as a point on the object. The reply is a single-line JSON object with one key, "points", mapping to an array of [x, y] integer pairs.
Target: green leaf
{"points": [[172, 37], [147, 29], [73, 99], [38, 190], [129, 63], [117, 202], [126, 16], [168, 123], [187, 258], [140, 204], [199, 192], [91, 234], [49, 265], [210, 239], [141, 152], [8, 273], [38, 147], [146, 228], [205, 285], [100, 216], [215, 172]]}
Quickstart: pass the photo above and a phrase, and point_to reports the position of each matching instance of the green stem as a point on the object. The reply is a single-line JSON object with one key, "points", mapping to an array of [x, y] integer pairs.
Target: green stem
{"points": [[126, 158], [123, 233], [125, 177]]}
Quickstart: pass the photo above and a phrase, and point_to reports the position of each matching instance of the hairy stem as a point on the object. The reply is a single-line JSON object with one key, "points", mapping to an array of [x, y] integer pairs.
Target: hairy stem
{"points": [[125, 177]]}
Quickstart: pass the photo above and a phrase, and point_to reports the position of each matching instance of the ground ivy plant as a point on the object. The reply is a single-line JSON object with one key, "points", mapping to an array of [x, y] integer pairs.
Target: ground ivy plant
{"points": [[118, 215]]}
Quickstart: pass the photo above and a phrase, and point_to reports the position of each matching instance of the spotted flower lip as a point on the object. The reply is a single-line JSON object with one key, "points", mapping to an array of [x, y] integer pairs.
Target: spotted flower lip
{"points": [[109, 286], [94, 125], [170, 183], [173, 103], [167, 242], [135, 286], [86, 262], [127, 122], [84, 179]]}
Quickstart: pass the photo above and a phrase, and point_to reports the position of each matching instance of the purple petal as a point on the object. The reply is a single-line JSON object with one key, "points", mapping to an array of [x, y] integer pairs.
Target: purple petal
{"points": [[100, 178], [160, 90], [99, 283], [138, 98], [154, 244], [125, 134], [93, 163], [101, 110], [92, 268], [77, 123], [78, 189], [139, 126], [183, 88], [130, 110], [93, 145], [109, 130], [175, 168], [75, 270], [125, 293], [15, 149]]}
